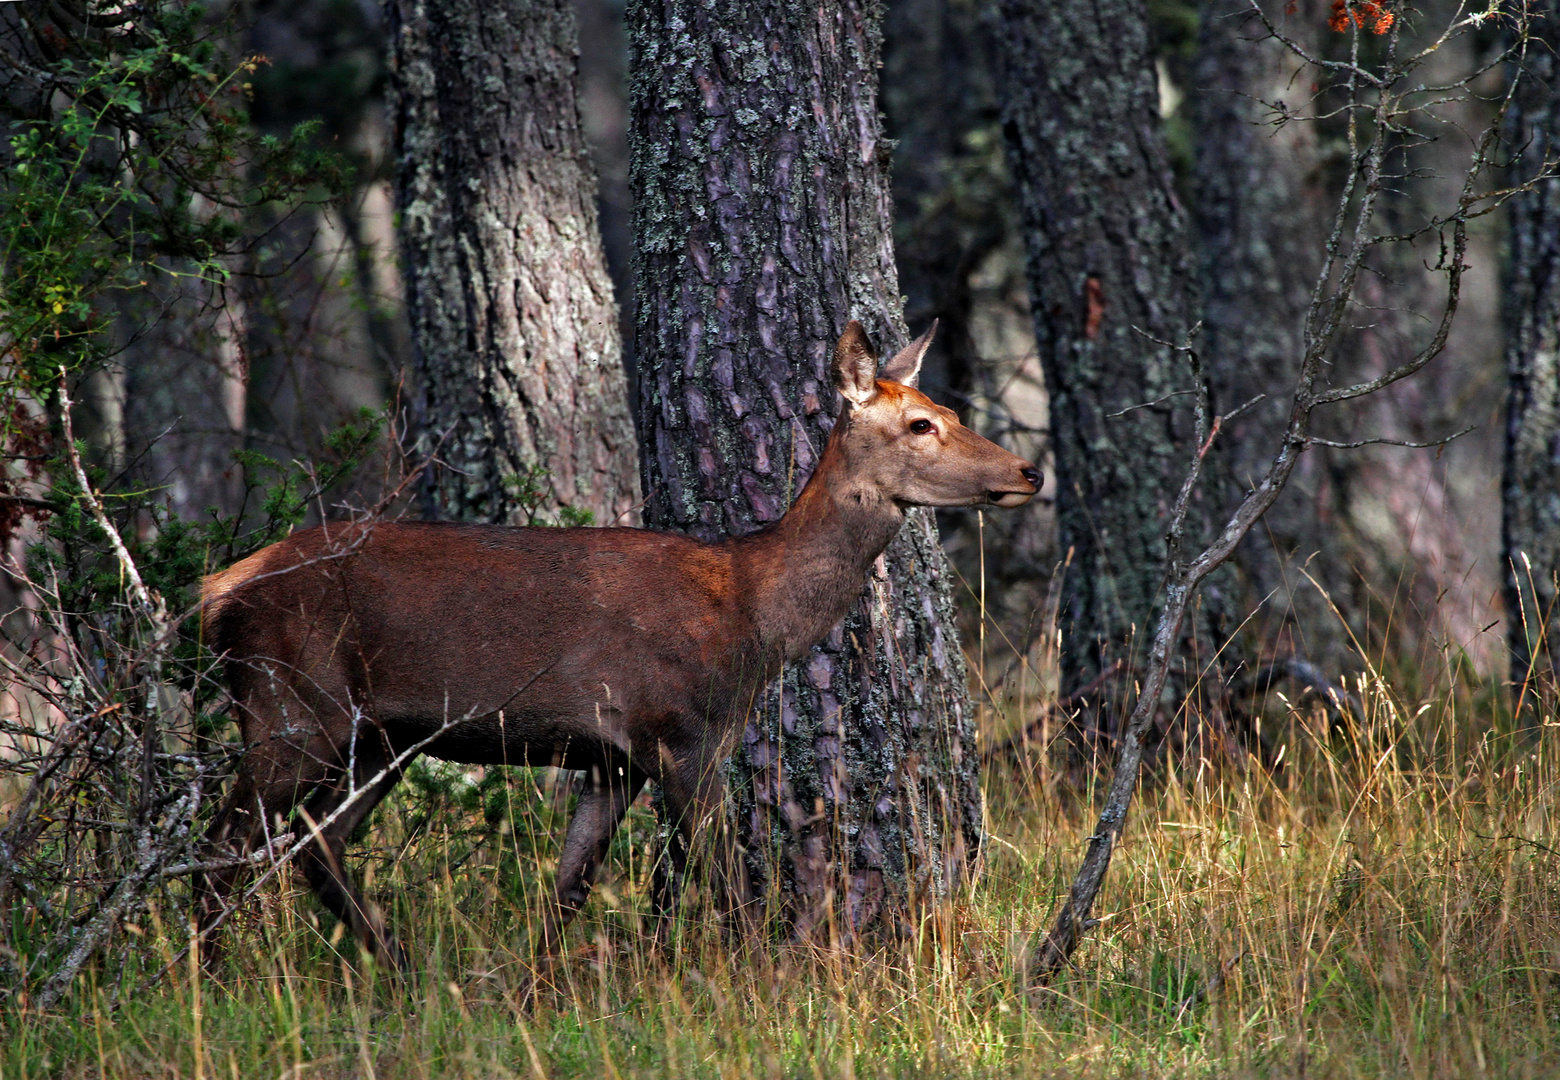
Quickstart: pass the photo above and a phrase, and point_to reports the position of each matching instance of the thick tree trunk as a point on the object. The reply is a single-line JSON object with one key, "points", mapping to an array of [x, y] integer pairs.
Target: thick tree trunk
{"points": [[762, 216], [1260, 216], [1109, 274], [1530, 492], [518, 355]]}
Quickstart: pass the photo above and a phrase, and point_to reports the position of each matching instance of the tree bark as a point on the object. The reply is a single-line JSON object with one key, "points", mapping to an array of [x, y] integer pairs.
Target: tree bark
{"points": [[1530, 489], [1109, 274], [761, 208], [517, 350]]}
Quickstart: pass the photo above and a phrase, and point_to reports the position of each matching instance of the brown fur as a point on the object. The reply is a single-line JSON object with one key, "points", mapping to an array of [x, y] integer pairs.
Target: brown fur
{"points": [[626, 653]]}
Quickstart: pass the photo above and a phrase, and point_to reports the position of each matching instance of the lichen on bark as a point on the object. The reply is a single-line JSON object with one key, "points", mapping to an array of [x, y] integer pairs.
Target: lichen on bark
{"points": [[518, 358]]}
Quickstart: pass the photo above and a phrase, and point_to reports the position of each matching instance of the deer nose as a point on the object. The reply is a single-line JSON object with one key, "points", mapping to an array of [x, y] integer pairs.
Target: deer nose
{"points": [[1031, 474]]}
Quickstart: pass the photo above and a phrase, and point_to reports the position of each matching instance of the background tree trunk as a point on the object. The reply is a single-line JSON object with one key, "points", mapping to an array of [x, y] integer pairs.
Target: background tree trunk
{"points": [[1531, 508], [517, 349], [180, 399], [761, 208], [604, 117], [961, 261], [1259, 212], [1108, 264], [951, 203]]}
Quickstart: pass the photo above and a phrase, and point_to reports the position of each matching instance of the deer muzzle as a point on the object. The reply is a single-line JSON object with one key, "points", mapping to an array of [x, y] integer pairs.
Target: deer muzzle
{"points": [[1018, 497]]}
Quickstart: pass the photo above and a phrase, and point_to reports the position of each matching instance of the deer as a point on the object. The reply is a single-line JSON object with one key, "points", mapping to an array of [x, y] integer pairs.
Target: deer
{"points": [[630, 655]]}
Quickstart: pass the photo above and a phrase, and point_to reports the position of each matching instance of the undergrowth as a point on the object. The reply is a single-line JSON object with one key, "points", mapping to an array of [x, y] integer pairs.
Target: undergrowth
{"points": [[1385, 904]]}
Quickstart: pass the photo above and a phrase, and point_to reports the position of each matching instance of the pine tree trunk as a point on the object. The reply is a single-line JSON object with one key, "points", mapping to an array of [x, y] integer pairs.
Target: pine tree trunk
{"points": [[762, 220], [1110, 278], [518, 356], [1530, 491]]}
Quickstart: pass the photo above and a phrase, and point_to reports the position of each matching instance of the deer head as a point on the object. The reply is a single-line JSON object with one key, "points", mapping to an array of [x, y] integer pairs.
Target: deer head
{"points": [[912, 450]]}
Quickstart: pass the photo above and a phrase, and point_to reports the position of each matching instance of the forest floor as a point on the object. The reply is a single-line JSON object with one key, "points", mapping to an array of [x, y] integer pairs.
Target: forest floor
{"points": [[1387, 904]]}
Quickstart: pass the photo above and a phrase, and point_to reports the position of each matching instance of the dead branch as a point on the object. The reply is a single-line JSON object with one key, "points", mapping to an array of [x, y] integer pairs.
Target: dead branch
{"points": [[1326, 320], [1309, 676], [309, 836]]}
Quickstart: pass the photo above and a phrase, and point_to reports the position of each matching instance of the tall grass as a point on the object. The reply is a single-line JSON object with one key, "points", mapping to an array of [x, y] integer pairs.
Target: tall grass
{"points": [[1386, 904]]}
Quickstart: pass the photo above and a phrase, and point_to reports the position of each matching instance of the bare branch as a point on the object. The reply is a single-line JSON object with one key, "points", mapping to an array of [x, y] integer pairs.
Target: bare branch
{"points": [[1149, 404], [153, 605], [1315, 440], [1295, 47], [292, 851], [1349, 239]]}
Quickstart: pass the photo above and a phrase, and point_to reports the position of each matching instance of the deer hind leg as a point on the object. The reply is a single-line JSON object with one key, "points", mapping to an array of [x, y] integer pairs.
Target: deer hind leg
{"points": [[695, 805], [330, 815], [279, 769], [234, 832], [610, 790]]}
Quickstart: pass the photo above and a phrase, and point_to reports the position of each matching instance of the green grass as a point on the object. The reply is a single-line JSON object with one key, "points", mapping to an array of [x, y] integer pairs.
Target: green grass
{"points": [[1387, 905]]}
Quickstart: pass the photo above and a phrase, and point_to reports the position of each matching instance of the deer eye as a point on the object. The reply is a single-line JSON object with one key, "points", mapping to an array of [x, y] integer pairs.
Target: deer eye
{"points": [[920, 427]]}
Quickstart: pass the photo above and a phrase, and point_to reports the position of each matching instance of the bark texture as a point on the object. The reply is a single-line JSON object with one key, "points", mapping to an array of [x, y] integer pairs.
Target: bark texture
{"points": [[761, 208], [1531, 487], [1109, 271], [518, 354]]}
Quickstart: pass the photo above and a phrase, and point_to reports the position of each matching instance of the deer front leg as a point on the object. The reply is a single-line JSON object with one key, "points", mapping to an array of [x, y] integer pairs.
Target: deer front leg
{"points": [[322, 859]]}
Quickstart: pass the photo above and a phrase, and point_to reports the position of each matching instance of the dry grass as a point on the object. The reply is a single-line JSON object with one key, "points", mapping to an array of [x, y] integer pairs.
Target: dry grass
{"points": [[1388, 905]]}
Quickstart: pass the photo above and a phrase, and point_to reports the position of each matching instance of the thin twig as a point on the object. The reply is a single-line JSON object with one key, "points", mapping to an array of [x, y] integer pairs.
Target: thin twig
{"points": [[1315, 440], [1149, 404], [1326, 319]]}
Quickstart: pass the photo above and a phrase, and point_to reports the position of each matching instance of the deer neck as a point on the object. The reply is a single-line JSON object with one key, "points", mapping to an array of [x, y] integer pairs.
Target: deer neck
{"points": [[805, 572]]}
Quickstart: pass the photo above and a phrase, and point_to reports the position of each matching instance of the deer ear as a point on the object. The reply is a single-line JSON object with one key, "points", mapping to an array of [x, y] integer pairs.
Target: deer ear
{"points": [[855, 366], [905, 367]]}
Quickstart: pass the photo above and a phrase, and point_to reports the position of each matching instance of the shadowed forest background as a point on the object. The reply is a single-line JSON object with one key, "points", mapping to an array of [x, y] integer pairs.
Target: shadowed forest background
{"points": [[312, 326], [422, 259]]}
